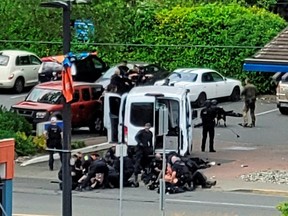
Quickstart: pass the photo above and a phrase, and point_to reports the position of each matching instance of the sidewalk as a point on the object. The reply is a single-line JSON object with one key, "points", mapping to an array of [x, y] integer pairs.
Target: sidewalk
{"points": [[227, 173]]}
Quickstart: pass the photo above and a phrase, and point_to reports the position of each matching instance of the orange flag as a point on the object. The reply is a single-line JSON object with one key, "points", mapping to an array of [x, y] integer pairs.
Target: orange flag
{"points": [[67, 84]]}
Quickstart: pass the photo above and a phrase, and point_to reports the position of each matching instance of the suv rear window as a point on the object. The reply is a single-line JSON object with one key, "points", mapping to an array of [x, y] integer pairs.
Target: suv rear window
{"points": [[48, 96], [142, 113], [4, 60]]}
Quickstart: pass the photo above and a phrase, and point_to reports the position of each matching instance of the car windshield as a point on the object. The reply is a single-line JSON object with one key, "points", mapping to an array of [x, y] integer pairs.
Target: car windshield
{"points": [[44, 96], [109, 73], [4, 60], [180, 76]]}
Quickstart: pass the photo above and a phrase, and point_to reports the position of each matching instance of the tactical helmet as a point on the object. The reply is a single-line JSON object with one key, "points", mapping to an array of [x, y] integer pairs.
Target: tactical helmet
{"points": [[214, 102], [207, 103]]}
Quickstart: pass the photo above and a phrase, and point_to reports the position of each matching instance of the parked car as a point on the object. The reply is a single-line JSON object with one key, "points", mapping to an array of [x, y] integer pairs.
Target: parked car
{"points": [[46, 100], [18, 69], [152, 69], [281, 84], [86, 68], [203, 84]]}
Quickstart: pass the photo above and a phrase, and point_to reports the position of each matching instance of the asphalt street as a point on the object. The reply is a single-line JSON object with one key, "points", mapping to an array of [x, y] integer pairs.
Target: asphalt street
{"points": [[39, 197]]}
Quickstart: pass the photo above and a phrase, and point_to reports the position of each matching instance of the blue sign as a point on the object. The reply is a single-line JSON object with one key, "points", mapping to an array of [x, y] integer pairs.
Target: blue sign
{"points": [[84, 29]]}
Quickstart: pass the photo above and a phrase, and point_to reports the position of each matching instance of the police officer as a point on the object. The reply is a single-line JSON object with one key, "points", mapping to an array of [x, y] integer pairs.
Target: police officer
{"points": [[249, 93], [53, 140], [208, 116], [143, 149]]}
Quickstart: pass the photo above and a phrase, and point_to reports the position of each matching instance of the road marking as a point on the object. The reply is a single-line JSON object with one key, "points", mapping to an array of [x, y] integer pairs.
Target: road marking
{"points": [[220, 203], [266, 112], [17, 96]]}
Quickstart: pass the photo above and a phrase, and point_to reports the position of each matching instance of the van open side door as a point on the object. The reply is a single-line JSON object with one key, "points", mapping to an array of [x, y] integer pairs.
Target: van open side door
{"points": [[112, 102]]}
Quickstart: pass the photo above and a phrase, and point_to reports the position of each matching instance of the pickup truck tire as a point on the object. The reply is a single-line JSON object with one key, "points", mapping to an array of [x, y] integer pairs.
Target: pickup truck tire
{"points": [[283, 110], [96, 126]]}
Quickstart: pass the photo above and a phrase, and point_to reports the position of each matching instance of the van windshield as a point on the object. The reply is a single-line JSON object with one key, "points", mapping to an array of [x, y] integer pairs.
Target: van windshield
{"points": [[47, 96], [142, 113]]}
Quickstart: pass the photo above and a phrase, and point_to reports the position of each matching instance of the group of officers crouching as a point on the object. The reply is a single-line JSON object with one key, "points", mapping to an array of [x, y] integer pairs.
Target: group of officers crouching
{"points": [[95, 172]]}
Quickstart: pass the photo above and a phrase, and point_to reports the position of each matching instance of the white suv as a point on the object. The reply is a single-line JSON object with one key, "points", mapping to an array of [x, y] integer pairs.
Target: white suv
{"points": [[18, 69]]}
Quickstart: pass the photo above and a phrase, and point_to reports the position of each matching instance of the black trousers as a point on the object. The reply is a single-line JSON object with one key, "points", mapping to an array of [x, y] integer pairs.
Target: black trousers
{"points": [[141, 159], [51, 158], [211, 130]]}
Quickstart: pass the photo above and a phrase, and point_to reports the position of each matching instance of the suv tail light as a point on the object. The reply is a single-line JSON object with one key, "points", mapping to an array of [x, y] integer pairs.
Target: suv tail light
{"points": [[125, 134]]}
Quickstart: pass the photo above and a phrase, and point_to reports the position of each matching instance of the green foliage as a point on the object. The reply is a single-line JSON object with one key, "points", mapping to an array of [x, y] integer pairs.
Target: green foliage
{"points": [[24, 144], [201, 29], [283, 208], [208, 32], [40, 143], [11, 121], [78, 144]]}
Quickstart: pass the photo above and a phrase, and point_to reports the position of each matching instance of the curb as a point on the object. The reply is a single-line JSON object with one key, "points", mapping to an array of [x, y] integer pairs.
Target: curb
{"points": [[44, 158], [262, 191]]}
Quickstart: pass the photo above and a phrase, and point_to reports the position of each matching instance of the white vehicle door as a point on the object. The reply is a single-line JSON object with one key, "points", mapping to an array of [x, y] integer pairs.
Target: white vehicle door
{"points": [[112, 103], [189, 127], [222, 87], [121, 126], [208, 85], [140, 110]]}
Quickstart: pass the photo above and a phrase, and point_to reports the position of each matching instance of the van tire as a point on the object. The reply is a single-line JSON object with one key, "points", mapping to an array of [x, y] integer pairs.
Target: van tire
{"points": [[19, 85], [283, 110], [96, 126]]}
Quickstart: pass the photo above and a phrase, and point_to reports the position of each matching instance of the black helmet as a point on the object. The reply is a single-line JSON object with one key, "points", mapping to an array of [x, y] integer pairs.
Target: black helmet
{"points": [[207, 103], [214, 102]]}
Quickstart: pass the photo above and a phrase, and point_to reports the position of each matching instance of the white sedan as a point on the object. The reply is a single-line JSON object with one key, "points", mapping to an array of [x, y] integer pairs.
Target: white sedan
{"points": [[203, 84]]}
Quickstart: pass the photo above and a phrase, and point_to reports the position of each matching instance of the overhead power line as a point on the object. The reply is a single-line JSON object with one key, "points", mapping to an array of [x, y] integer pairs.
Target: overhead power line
{"points": [[134, 45]]}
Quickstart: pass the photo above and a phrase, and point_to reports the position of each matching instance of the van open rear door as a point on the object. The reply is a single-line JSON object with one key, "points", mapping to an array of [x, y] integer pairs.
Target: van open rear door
{"points": [[112, 103]]}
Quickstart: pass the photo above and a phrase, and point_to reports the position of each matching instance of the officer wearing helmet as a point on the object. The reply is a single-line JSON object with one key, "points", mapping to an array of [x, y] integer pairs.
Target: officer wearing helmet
{"points": [[208, 115]]}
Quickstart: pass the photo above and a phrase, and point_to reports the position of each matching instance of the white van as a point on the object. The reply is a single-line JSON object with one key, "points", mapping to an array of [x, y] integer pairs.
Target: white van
{"points": [[125, 115], [281, 80]]}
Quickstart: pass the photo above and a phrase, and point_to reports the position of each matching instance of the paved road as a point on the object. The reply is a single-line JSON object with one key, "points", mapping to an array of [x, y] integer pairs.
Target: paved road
{"points": [[39, 197]]}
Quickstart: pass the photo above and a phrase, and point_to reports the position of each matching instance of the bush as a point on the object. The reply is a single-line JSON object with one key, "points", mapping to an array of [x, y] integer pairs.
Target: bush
{"points": [[24, 144], [78, 144], [283, 208], [11, 121], [201, 29], [40, 143]]}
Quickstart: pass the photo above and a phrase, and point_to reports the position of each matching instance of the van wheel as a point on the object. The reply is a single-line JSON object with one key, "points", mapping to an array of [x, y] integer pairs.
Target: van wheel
{"points": [[201, 100], [19, 85], [283, 110], [235, 95], [96, 126]]}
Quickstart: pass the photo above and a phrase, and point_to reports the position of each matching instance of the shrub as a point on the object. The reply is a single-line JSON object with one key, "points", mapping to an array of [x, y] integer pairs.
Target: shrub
{"points": [[78, 144], [24, 144], [40, 143], [283, 208], [11, 121]]}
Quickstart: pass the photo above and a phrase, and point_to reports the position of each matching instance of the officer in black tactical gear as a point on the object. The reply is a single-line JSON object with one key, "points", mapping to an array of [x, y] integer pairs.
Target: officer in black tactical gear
{"points": [[143, 149], [208, 116]]}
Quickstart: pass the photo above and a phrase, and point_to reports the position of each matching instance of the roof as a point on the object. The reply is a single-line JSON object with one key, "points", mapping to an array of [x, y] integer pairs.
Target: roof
{"points": [[190, 70], [168, 91], [273, 57], [16, 52], [57, 85]]}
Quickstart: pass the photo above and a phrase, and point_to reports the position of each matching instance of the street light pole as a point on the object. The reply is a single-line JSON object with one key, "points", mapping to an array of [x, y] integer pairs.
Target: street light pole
{"points": [[67, 180], [66, 152]]}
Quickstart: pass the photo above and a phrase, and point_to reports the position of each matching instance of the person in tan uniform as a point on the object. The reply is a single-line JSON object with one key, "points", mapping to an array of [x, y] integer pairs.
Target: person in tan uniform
{"points": [[249, 94]]}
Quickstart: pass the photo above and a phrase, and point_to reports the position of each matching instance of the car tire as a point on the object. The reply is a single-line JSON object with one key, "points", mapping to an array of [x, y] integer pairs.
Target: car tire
{"points": [[201, 99], [96, 126], [283, 110], [19, 85], [235, 95]]}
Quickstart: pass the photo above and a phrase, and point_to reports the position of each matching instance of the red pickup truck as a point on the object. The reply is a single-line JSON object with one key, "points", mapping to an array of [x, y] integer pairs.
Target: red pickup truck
{"points": [[46, 100]]}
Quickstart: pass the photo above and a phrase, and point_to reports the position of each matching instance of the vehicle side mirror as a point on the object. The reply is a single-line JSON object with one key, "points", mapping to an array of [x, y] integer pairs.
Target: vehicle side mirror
{"points": [[194, 114]]}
